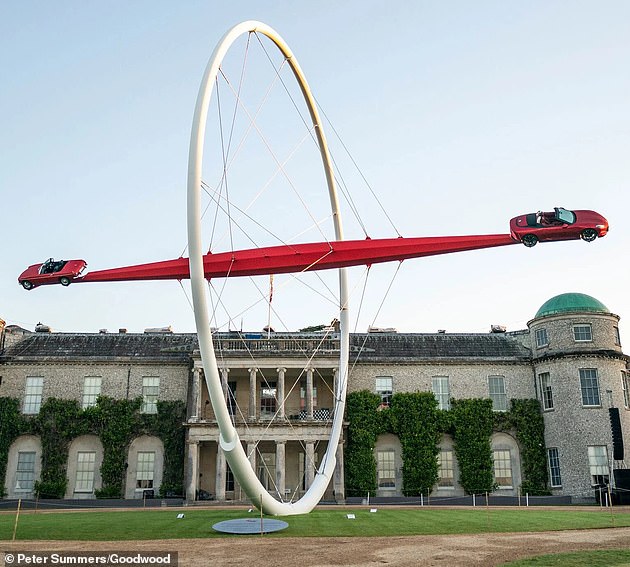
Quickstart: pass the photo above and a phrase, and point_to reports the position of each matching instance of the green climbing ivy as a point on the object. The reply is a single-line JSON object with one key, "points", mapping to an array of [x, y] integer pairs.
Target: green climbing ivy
{"points": [[417, 422], [364, 426], [168, 426], [115, 422], [414, 418], [472, 423], [57, 424], [11, 426], [527, 420]]}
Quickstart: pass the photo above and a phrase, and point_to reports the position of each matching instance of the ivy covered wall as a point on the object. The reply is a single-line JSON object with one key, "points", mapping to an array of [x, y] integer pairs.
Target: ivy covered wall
{"points": [[115, 422], [419, 424]]}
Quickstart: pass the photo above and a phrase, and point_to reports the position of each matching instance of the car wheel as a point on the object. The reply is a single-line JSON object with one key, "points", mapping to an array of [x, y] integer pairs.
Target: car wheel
{"points": [[64, 281], [27, 285], [589, 234], [529, 240]]}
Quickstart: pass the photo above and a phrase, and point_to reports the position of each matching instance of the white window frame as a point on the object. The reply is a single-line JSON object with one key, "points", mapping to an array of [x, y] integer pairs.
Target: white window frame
{"points": [[501, 464], [91, 390], [441, 391], [617, 336], [546, 391], [150, 393], [497, 395], [542, 339], [446, 470], [268, 393], [86, 465], [579, 334], [33, 391], [386, 469], [598, 464], [625, 386], [145, 470], [25, 475], [553, 463], [384, 387], [589, 388]]}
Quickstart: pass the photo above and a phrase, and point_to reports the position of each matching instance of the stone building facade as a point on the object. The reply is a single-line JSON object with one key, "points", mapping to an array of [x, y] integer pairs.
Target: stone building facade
{"points": [[279, 391]]}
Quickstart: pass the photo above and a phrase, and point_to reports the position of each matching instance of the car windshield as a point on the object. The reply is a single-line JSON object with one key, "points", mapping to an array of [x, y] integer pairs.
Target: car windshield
{"points": [[565, 216]]}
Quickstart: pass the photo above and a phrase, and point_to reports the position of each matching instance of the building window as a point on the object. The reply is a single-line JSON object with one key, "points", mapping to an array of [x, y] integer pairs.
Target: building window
{"points": [[589, 382], [446, 471], [145, 470], [303, 396], [441, 392], [598, 464], [386, 469], [85, 471], [267, 470], [384, 388], [25, 472], [617, 336], [546, 394], [554, 467], [496, 387], [503, 468], [150, 393], [91, 390], [541, 338], [229, 479], [268, 395], [33, 394], [582, 333], [625, 386]]}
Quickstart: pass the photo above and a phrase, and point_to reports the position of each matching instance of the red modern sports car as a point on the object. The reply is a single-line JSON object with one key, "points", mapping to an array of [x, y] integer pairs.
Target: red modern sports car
{"points": [[50, 272], [560, 224]]}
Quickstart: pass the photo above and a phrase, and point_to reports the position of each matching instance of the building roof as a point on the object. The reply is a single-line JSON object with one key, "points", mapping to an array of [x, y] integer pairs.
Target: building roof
{"points": [[567, 302], [371, 347], [180, 347], [84, 345]]}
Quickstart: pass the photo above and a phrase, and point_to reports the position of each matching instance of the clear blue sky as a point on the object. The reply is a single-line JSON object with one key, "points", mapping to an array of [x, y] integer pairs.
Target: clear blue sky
{"points": [[460, 114]]}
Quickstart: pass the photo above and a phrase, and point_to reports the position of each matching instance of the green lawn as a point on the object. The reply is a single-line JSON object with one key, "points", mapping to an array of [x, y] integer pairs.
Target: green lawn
{"points": [[605, 558], [197, 523]]}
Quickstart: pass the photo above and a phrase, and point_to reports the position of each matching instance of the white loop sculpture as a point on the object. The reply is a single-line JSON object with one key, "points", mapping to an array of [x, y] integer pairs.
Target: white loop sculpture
{"points": [[229, 439]]}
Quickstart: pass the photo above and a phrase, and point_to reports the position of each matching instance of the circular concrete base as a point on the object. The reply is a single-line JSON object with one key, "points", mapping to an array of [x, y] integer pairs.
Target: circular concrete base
{"points": [[250, 526]]}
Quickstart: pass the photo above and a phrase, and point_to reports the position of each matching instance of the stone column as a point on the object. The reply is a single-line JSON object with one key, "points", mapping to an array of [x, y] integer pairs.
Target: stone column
{"points": [[252, 393], [309, 464], [309, 394], [224, 382], [192, 470], [251, 455], [335, 391], [280, 390], [196, 395], [281, 447], [221, 472], [338, 477]]}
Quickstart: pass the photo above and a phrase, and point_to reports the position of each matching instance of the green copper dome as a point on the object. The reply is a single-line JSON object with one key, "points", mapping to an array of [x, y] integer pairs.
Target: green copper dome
{"points": [[571, 302]]}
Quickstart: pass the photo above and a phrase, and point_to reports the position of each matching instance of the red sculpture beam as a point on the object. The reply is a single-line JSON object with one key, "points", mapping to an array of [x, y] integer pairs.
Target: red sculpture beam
{"points": [[302, 257]]}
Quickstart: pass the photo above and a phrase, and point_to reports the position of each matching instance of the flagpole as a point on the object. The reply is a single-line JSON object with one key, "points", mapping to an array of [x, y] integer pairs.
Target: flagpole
{"points": [[269, 310]]}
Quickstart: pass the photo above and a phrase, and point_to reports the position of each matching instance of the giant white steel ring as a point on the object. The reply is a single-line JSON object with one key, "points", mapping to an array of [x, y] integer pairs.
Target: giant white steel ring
{"points": [[229, 439]]}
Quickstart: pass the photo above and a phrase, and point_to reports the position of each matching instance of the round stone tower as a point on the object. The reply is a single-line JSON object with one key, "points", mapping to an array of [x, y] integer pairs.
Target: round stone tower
{"points": [[580, 373]]}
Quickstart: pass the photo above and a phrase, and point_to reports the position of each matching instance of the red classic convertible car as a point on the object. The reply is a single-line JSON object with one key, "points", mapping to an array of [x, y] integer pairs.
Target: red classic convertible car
{"points": [[51, 272], [560, 224]]}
